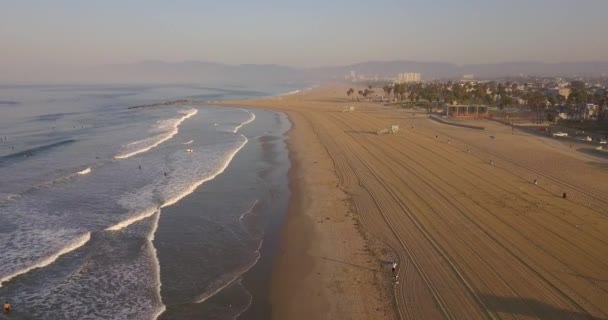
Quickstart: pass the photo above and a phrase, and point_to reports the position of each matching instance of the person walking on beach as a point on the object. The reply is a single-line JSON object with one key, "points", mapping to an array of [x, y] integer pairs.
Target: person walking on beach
{"points": [[394, 267], [7, 307]]}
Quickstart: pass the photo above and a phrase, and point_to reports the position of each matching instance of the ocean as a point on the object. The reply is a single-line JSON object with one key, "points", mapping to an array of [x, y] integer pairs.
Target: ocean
{"points": [[108, 212]]}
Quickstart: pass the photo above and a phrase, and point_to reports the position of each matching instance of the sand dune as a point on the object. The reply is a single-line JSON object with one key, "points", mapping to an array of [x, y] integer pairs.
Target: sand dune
{"points": [[473, 240]]}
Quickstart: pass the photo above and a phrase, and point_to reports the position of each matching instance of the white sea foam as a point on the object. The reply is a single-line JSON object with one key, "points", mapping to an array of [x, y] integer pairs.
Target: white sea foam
{"points": [[188, 190], [135, 218], [77, 243], [289, 93], [248, 211], [85, 171], [162, 307], [188, 142], [152, 211], [151, 143], [251, 118], [195, 185]]}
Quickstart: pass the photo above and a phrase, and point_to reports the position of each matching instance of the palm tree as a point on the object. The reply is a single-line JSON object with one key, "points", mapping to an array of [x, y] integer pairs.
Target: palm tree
{"points": [[387, 89], [350, 92], [537, 101]]}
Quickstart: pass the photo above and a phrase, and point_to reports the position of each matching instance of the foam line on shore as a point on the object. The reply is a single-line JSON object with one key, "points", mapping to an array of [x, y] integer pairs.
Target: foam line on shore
{"points": [[79, 242], [251, 118], [205, 296], [164, 137], [154, 253], [248, 211]]}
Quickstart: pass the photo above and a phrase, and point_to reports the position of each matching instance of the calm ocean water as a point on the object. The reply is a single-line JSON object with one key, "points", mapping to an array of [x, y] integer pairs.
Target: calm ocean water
{"points": [[84, 182]]}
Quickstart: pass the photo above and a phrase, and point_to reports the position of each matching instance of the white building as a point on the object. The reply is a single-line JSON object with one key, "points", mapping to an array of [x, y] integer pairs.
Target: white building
{"points": [[408, 77]]}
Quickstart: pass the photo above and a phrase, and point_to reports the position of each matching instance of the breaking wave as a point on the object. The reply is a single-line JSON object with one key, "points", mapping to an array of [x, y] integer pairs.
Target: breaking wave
{"points": [[172, 127], [85, 171], [251, 118], [77, 243]]}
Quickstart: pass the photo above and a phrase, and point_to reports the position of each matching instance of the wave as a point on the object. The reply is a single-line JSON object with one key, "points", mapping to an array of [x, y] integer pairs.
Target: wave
{"points": [[188, 142], [131, 220], [157, 280], [33, 151], [85, 171], [60, 179], [195, 185], [161, 138], [233, 277], [289, 93], [149, 212], [248, 302], [251, 118], [248, 211], [79, 242]]}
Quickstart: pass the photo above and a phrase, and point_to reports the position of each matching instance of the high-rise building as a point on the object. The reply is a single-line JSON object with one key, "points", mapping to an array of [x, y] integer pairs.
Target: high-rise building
{"points": [[409, 77]]}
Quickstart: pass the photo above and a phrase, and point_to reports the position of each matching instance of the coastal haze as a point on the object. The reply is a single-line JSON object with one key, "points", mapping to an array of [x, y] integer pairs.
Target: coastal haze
{"points": [[304, 160], [203, 42]]}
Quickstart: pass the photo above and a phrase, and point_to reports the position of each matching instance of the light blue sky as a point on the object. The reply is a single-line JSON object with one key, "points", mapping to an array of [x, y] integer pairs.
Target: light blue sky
{"points": [[301, 33]]}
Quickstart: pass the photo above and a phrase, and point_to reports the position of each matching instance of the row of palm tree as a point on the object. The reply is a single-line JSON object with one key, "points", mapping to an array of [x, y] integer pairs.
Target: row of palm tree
{"points": [[498, 94]]}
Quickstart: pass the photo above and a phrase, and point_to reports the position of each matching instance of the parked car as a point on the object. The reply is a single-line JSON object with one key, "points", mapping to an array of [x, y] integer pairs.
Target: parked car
{"points": [[560, 134]]}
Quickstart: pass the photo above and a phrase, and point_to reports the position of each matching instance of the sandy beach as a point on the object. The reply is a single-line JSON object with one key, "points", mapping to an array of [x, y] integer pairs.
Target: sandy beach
{"points": [[474, 237]]}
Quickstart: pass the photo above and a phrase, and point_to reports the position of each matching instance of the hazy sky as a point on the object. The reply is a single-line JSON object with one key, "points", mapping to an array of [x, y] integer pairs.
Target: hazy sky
{"points": [[300, 33]]}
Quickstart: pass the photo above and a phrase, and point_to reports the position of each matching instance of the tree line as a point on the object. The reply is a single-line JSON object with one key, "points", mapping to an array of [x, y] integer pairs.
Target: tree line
{"points": [[538, 97]]}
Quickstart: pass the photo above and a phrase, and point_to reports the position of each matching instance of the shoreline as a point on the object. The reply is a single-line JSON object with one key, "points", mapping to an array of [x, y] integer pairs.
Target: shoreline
{"points": [[243, 196], [323, 245]]}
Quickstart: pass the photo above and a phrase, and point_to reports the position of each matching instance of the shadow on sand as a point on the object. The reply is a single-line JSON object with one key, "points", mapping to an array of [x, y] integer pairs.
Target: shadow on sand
{"points": [[532, 308]]}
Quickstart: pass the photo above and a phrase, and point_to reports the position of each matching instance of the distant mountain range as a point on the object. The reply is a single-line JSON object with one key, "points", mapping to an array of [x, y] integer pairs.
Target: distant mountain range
{"points": [[439, 70], [224, 74], [203, 71]]}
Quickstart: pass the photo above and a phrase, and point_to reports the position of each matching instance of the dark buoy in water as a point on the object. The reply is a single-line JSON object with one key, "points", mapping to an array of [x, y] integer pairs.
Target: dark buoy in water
{"points": [[165, 174], [139, 167]]}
